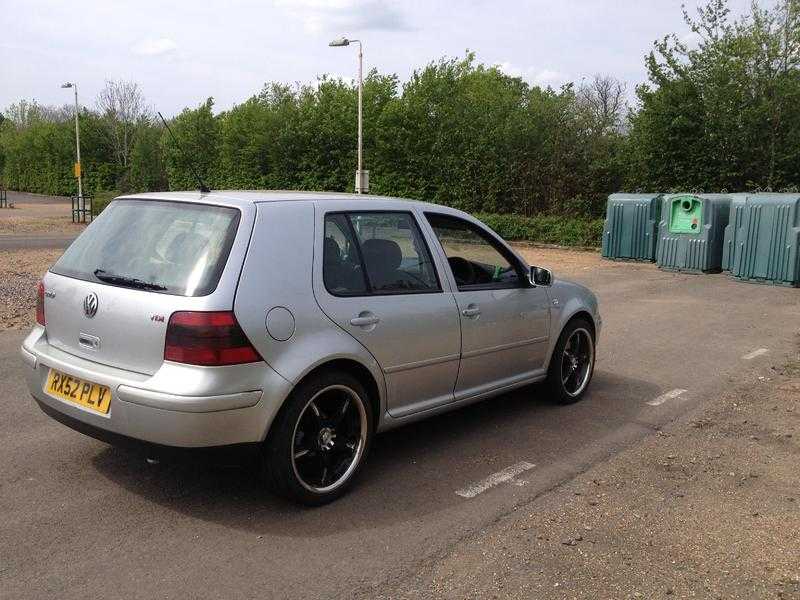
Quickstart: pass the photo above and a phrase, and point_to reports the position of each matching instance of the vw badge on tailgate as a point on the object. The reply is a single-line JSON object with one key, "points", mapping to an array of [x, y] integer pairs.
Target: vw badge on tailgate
{"points": [[90, 305]]}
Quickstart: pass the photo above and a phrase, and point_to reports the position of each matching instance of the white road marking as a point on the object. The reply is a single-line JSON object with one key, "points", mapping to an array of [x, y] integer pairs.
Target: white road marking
{"points": [[754, 354], [495, 479], [666, 396]]}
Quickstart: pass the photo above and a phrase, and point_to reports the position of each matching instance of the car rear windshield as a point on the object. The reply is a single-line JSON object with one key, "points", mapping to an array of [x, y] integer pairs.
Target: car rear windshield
{"points": [[167, 247]]}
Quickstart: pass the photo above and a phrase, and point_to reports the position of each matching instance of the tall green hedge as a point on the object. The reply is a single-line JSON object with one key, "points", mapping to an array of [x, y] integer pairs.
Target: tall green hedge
{"points": [[564, 231]]}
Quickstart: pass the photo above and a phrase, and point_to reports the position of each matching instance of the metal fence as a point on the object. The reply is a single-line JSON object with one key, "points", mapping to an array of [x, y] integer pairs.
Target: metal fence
{"points": [[82, 208]]}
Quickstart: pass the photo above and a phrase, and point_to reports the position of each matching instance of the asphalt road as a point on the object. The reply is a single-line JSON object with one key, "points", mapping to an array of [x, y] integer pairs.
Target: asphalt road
{"points": [[27, 198], [79, 519], [36, 240]]}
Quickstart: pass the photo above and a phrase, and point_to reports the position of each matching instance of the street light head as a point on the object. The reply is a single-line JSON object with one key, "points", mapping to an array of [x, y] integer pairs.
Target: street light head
{"points": [[342, 41], [66, 85]]}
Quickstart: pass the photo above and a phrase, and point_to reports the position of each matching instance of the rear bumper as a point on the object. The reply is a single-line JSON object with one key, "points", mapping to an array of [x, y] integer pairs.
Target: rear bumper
{"points": [[234, 452], [172, 408]]}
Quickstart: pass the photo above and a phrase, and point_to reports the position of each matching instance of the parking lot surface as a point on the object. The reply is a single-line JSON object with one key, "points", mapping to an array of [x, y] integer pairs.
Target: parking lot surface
{"points": [[79, 519]]}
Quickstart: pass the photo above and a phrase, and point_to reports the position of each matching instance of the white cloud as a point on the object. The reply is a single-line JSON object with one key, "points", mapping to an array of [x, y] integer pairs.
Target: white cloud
{"points": [[547, 77], [539, 77], [345, 15], [155, 47], [511, 70]]}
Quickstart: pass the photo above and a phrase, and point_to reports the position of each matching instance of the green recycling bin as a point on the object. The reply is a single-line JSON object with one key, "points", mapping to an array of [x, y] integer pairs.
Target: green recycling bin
{"points": [[692, 231], [631, 227], [762, 239]]}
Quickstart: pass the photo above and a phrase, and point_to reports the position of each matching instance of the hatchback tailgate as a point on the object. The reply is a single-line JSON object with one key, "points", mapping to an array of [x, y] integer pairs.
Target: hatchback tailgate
{"points": [[127, 330], [109, 298]]}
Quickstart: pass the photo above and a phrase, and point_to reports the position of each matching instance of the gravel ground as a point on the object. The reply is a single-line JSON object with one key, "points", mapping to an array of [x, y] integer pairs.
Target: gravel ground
{"points": [[20, 270], [707, 508]]}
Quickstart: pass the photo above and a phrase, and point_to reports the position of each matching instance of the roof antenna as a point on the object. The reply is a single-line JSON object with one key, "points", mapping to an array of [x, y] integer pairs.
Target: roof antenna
{"points": [[203, 187]]}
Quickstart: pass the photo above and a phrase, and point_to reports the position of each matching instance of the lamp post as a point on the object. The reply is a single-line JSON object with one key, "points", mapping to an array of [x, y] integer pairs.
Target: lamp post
{"points": [[74, 86], [362, 177]]}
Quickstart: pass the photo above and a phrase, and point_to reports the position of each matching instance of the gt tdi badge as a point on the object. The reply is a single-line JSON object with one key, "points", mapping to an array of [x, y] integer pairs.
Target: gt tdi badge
{"points": [[90, 305]]}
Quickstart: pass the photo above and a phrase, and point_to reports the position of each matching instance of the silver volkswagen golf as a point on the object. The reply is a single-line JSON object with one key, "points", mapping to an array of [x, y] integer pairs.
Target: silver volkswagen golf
{"points": [[299, 324]]}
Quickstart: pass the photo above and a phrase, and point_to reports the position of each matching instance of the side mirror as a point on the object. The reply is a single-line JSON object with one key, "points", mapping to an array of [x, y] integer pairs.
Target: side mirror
{"points": [[541, 276]]}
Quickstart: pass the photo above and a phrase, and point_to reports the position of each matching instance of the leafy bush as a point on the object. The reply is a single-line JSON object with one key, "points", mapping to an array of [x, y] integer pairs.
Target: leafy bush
{"points": [[564, 231], [101, 200]]}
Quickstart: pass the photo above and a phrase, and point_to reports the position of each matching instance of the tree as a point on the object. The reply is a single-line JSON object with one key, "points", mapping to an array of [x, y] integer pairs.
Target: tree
{"points": [[194, 149], [726, 113], [603, 100], [146, 172], [123, 110]]}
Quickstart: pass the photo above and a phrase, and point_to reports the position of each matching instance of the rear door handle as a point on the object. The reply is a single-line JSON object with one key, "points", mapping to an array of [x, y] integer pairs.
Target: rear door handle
{"points": [[364, 320], [471, 311]]}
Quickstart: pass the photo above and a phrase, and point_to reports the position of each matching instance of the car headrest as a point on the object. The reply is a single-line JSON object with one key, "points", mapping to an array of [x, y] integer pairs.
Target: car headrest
{"points": [[331, 253], [385, 255], [462, 269]]}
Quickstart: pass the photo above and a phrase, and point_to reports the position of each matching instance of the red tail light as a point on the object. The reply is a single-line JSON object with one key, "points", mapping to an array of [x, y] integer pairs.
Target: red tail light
{"points": [[40, 304], [207, 338]]}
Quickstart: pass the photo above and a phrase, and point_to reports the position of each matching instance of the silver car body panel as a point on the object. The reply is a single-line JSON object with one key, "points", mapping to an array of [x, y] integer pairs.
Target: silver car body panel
{"points": [[423, 355], [129, 325], [569, 299], [421, 370], [506, 342], [278, 273]]}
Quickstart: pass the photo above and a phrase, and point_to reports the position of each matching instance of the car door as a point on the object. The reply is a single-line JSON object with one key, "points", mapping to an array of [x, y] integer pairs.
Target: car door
{"points": [[505, 320], [377, 281]]}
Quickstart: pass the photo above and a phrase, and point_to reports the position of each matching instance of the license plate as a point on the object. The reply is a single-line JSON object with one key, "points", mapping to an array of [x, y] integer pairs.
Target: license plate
{"points": [[93, 396]]}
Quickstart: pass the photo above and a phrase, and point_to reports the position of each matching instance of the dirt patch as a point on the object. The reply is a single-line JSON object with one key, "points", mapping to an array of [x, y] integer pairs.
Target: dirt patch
{"points": [[560, 260], [38, 218], [709, 508], [572, 262], [20, 270]]}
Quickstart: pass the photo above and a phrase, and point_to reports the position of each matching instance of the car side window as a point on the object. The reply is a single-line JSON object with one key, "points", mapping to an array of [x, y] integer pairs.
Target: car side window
{"points": [[341, 263], [475, 259], [395, 255]]}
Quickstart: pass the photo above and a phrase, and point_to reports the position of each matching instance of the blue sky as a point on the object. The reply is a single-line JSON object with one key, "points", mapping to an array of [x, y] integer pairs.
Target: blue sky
{"points": [[181, 52]]}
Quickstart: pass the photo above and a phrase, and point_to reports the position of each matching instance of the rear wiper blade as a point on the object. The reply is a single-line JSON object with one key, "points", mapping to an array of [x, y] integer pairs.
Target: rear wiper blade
{"points": [[133, 282]]}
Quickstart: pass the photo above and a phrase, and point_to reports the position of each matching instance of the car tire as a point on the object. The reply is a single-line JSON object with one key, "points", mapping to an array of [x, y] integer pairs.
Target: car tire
{"points": [[572, 363], [319, 439]]}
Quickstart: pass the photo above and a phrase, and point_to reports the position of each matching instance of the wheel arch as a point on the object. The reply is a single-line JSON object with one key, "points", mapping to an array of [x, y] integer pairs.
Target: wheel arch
{"points": [[356, 369], [584, 314], [577, 312]]}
